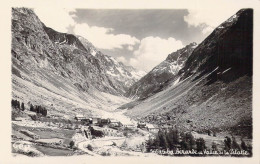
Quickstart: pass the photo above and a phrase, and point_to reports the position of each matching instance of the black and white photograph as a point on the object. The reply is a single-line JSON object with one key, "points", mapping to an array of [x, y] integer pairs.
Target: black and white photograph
{"points": [[131, 82]]}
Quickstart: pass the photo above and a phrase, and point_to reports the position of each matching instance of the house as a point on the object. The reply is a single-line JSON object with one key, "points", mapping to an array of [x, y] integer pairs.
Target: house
{"points": [[166, 126], [80, 117], [155, 130], [110, 132], [130, 126], [141, 125], [83, 119], [152, 128], [105, 121], [96, 120], [115, 124]]}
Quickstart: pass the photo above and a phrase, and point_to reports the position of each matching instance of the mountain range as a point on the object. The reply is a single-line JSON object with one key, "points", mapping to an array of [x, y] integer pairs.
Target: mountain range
{"points": [[213, 88], [61, 70], [159, 76], [206, 86]]}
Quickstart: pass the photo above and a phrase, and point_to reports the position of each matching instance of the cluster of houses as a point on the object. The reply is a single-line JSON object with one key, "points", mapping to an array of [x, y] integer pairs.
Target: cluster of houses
{"points": [[98, 121], [111, 124]]}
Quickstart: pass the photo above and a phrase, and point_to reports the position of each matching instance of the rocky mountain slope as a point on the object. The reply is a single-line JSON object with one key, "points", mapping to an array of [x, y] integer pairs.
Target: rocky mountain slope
{"points": [[214, 88], [123, 76], [160, 75], [58, 69]]}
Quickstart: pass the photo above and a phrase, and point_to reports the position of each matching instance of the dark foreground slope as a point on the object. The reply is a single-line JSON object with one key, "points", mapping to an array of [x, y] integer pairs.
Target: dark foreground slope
{"points": [[215, 87]]}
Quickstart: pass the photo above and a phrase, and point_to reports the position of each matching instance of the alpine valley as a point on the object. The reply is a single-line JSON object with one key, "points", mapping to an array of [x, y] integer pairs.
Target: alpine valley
{"points": [[68, 98]]}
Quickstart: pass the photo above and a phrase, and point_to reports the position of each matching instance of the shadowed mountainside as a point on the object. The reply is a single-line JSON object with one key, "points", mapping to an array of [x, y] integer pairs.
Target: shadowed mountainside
{"points": [[160, 76], [214, 88], [61, 71]]}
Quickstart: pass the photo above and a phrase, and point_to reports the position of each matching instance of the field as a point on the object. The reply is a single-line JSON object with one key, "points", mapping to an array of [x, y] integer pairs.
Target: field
{"points": [[52, 151]]}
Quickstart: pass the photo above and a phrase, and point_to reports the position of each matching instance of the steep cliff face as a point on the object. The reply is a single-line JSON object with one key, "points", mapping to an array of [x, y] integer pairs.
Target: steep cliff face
{"points": [[214, 88], [159, 77], [121, 76], [66, 55], [228, 48]]}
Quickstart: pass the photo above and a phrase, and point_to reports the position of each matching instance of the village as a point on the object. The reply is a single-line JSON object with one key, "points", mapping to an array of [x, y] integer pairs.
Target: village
{"points": [[37, 135], [36, 131]]}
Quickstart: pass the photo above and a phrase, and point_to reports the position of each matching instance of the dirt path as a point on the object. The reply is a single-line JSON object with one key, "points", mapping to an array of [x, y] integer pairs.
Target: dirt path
{"points": [[83, 146]]}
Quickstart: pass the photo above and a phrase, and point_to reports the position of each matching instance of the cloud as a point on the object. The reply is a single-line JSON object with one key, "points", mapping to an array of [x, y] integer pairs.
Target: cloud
{"points": [[210, 14], [130, 48], [135, 63], [122, 59], [57, 18], [103, 38], [152, 51], [207, 30], [62, 20]]}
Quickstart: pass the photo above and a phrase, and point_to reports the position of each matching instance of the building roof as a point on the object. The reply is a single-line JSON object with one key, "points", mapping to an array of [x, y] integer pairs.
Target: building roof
{"points": [[79, 115], [150, 126], [129, 124]]}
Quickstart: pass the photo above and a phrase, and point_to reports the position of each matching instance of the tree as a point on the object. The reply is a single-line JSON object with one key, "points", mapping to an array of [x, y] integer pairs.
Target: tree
{"points": [[235, 145], [22, 107], [209, 132], [172, 139], [227, 143], [44, 112], [149, 144], [72, 143], [18, 105], [162, 140], [214, 146], [69, 122], [37, 109], [190, 140], [113, 144], [243, 145], [13, 103], [89, 147], [200, 143], [214, 134], [31, 108], [184, 145], [34, 117], [249, 149]]}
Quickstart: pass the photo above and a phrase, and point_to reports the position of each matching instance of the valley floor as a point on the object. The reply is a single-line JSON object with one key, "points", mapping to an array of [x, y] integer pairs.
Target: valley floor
{"points": [[117, 143], [53, 135]]}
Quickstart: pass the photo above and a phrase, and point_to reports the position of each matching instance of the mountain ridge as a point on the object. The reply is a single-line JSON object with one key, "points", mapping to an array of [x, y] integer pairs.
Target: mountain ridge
{"points": [[213, 91], [56, 70], [158, 78], [69, 47]]}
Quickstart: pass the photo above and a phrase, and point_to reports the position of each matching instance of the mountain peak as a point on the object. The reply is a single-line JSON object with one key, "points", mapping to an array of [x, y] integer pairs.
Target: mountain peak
{"points": [[65, 55], [159, 76]]}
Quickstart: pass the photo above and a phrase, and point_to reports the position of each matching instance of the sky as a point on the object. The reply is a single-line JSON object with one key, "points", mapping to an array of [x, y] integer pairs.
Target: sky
{"points": [[142, 38]]}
